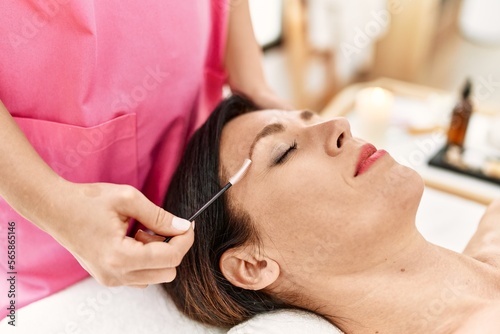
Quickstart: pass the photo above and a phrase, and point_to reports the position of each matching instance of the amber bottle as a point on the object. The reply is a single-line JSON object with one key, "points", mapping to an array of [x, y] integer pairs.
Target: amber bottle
{"points": [[460, 118]]}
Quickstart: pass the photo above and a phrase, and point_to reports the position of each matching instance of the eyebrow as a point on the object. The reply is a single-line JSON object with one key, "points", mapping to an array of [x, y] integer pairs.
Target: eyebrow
{"points": [[274, 128], [306, 115], [266, 131]]}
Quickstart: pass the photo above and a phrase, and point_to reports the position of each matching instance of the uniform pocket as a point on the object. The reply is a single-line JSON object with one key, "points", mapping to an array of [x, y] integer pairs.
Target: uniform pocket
{"points": [[103, 153]]}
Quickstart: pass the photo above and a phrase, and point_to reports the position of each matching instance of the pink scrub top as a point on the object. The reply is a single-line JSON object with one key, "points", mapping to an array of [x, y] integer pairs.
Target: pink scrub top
{"points": [[106, 91]]}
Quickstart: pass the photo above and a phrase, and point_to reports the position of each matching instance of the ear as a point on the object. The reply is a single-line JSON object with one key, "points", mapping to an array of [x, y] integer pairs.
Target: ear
{"points": [[247, 270]]}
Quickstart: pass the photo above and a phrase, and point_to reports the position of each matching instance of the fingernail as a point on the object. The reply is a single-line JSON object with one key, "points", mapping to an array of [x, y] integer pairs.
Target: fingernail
{"points": [[193, 223], [180, 224]]}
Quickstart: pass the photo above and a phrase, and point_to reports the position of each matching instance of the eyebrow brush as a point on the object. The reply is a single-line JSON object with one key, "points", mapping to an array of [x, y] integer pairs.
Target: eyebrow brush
{"points": [[232, 181]]}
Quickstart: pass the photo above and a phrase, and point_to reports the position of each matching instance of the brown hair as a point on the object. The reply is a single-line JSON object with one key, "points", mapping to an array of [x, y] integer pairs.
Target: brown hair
{"points": [[200, 290]]}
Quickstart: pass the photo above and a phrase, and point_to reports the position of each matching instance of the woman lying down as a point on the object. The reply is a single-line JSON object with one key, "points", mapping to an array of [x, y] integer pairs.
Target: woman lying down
{"points": [[324, 222]]}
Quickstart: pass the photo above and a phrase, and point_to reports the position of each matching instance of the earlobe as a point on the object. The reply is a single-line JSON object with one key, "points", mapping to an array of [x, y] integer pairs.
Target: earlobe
{"points": [[244, 269]]}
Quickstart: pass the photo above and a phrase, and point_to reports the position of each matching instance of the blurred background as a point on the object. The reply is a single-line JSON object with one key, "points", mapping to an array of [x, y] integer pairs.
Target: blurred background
{"points": [[314, 48]]}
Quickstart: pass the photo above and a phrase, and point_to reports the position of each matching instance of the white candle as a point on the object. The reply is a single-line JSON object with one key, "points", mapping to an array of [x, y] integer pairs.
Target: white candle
{"points": [[373, 110]]}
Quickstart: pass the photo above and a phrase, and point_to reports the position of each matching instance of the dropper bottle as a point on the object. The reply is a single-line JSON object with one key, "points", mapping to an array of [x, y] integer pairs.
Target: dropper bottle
{"points": [[460, 119]]}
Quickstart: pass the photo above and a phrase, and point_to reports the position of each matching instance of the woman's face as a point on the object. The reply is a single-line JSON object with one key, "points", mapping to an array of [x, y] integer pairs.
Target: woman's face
{"points": [[320, 198]]}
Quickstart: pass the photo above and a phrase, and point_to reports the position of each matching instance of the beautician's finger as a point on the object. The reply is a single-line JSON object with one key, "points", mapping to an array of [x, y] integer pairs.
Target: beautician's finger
{"points": [[137, 206], [146, 238], [151, 276], [183, 242], [157, 255]]}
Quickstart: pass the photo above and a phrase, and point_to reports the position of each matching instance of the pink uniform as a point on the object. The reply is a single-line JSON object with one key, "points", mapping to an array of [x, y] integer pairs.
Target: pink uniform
{"points": [[106, 91]]}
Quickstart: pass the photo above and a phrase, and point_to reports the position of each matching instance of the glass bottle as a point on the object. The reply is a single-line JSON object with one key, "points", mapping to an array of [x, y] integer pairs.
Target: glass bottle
{"points": [[460, 118]]}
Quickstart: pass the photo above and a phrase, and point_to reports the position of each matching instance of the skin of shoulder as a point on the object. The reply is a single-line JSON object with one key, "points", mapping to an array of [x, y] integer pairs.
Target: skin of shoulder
{"points": [[485, 244], [484, 321]]}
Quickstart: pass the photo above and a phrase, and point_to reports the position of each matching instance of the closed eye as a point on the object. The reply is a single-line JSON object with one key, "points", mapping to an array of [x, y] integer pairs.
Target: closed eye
{"points": [[284, 157]]}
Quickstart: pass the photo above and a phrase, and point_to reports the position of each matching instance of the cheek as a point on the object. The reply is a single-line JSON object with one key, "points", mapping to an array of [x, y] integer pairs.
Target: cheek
{"points": [[299, 213]]}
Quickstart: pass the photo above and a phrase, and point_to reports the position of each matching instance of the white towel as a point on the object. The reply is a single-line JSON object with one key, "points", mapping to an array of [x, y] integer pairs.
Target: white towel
{"points": [[89, 308], [285, 321]]}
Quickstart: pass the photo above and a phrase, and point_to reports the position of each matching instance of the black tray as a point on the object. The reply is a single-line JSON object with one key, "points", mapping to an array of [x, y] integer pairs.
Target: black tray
{"points": [[439, 161]]}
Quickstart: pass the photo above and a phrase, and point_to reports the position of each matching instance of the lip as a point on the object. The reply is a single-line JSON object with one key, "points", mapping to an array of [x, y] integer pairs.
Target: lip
{"points": [[368, 155]]}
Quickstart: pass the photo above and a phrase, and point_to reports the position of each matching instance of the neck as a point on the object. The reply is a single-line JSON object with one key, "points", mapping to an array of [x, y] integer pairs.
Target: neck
{"points": [[418, 288]]}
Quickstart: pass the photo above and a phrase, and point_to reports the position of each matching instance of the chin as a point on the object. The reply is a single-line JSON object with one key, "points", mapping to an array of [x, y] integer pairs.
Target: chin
{"points": [[400, 183], [410, 187]]}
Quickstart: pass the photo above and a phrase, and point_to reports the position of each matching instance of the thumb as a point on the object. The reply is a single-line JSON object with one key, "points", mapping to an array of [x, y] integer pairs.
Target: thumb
{"points": [[153, 217], [167, 224]]}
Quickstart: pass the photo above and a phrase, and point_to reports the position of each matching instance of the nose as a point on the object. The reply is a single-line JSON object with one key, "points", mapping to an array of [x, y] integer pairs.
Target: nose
{"points": [[333, 133]]}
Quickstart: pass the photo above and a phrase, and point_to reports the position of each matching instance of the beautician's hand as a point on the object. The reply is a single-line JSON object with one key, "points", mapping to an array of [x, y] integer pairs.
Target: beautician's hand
{"points": [[90, 220], [92, 224], [267, 99], [243, 61]]}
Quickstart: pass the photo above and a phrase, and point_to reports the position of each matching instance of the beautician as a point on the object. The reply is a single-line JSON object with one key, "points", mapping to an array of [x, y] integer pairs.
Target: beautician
{"points": [[99, 99]]}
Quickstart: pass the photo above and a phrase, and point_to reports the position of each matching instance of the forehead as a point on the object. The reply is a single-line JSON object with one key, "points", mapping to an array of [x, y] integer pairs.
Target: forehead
{"points": [[239, 134]]}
